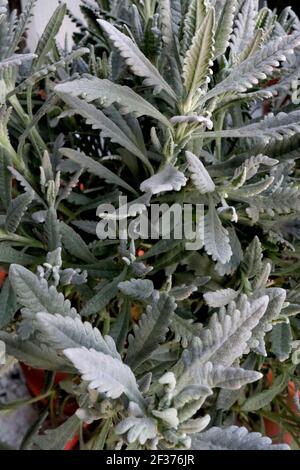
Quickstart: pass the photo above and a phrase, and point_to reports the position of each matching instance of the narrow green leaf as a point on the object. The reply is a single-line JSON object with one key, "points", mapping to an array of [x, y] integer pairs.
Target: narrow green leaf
{"points": [[252, 262], [257, 67], [92, 88], [16, 211], [14, 60], [199, 174], [225, 16], [46, 42], [197, 62], [136, 60], [233, 438], [150, 331], [106, 374], [75, 245], [22, 25], [244, 27], [10, 255], [106, 293], [108, 128], [194, 18], [216, 237], [61, 333], [52, 229], [101, 439], [5, 178], [35, 296], [281, 339], [35, 355], [120, 328]]}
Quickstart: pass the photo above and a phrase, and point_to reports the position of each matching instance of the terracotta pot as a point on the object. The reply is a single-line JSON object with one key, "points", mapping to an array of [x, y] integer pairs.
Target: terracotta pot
{"points": [[274, 431], [35, 380], [3, 276]]}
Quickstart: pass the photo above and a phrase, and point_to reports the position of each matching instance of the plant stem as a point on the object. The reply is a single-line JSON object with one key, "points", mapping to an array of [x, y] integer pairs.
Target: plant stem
{"points": [[16, 404]]}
